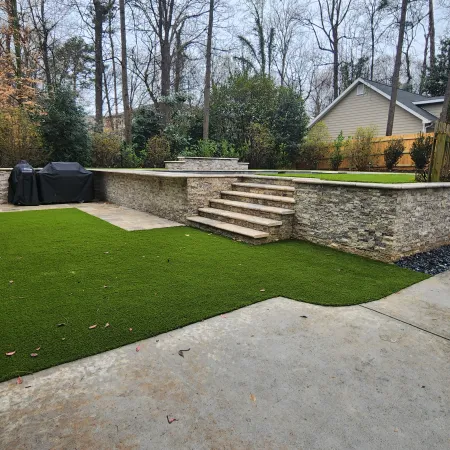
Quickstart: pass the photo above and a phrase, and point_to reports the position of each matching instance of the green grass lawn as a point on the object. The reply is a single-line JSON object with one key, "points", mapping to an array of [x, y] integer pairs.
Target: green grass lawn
{"points": [[363, 178], [67, 267]]}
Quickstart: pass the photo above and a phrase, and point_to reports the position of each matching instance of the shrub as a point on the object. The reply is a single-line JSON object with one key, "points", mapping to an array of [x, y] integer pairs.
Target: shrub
{"points": [[63, 127], [260, 145], [336, 156], [157, 151], [106, 150], [393, 152], [146, 124], [420, 154], [19, 138], [361, 148], [315, 146], [129, 158], [209, 148]]}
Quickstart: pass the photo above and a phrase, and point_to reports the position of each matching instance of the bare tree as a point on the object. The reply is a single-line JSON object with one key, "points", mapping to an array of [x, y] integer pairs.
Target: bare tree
{"points": [[207, 91], [261, 55], [100, 10], [332, 14], [124, 66], [397, 65]]}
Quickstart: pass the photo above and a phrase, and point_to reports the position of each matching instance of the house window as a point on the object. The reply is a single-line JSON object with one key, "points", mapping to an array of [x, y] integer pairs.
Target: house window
{"points": [[361, 89]]}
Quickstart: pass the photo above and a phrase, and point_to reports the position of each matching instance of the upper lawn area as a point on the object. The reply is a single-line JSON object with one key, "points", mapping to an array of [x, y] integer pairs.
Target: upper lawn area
{"points": [[363, 178], [65, 267]]}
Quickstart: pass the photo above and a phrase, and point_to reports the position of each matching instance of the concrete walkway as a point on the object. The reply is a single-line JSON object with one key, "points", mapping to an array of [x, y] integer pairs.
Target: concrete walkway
{"points": [[125, 218], [279, 374]]}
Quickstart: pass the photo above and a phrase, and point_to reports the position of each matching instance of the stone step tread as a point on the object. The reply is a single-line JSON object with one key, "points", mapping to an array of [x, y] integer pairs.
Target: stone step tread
{"points": [[274, 187], [244, 217], [274, 198], [253, 206], [243, 231]]}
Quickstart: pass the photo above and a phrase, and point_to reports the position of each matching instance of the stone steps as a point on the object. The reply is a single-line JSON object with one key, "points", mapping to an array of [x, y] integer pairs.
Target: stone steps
{"points": [[253, 212], [270, 212], [244, 220], [261, 199], [267, 189], [228, 229]]}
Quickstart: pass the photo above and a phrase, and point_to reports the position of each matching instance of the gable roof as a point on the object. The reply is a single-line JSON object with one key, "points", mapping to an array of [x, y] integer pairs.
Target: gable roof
{"points": [[405, 100]]}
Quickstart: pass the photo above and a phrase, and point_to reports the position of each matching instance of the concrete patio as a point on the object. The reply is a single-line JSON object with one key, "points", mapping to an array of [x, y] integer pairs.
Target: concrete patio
{"points": [[126, 218], [279, 374]]}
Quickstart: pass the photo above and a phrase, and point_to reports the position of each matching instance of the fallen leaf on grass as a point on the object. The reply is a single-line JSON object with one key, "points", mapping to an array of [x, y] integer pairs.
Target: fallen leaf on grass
{"points": [[11, 281], [10, 353], [171, 420], [138, 348], [107, 325], [33, 355], [19, 380], [252, 398], [131, 329], [38, 349], [105, 286], [262, 290], [93, 326]]}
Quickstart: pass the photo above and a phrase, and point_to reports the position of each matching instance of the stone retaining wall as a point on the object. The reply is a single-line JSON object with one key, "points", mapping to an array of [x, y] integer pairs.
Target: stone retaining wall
{"points": [[382, 222], [170, 197], [205, 164], [4, 175]]}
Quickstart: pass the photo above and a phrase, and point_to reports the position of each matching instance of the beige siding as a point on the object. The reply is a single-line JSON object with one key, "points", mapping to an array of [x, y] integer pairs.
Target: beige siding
{"points": [[355, 111], [433, 108]]}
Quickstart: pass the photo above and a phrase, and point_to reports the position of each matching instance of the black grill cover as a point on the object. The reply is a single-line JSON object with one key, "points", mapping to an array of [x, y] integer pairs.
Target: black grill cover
{"points": [[22, 185], [65, 182]]}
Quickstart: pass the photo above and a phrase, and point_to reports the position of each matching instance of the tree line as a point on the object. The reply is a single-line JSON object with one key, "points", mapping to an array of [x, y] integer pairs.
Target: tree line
{"points": [[193, 68]]}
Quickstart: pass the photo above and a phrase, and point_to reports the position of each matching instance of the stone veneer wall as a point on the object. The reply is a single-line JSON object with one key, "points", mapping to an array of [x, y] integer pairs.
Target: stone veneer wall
{"points": [[381, 222], [207, 164], [170, 197], [4, 175]]}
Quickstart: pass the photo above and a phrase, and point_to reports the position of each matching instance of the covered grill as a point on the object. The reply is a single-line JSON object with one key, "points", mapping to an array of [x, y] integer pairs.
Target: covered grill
{"points": [[22, 189], [65, 182]]}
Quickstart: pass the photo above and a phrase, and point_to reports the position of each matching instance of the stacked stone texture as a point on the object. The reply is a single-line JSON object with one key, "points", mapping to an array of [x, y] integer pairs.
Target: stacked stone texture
{"points": [[4, 175], [208, 164]]}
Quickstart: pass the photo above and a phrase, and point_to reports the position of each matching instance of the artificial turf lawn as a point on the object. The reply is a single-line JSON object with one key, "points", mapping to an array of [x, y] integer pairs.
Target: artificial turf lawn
{"points": [[358, 177], [71, 268]]}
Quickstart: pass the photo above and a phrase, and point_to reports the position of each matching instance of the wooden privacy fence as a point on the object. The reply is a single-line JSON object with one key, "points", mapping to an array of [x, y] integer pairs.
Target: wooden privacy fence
{"points": [[377, 157], [440, 159]]}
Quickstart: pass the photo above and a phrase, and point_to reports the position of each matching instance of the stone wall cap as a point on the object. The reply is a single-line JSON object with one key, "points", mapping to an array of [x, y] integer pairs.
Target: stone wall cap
{"points": [[391, 186], [207, 158], [168, 174]]}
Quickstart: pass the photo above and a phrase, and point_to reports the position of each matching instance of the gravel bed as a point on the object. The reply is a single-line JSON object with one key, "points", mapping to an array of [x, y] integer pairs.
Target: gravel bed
{"points": [[432, 262]]}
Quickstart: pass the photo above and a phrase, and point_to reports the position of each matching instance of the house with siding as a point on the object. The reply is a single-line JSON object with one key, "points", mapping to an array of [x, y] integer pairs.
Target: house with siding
{"points": [[366, 103]]}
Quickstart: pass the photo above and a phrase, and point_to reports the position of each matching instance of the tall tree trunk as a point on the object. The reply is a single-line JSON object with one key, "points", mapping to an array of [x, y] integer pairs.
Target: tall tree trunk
{"points": [[15, 25], [98, 33], [165, 79], [423, 72], [178, 62], [207, 91], [372, 47], [124, 65], [113, 58], [108, 101], [335, 63], [44, 46], [398, 63], [445, 114], [432, 34]]}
